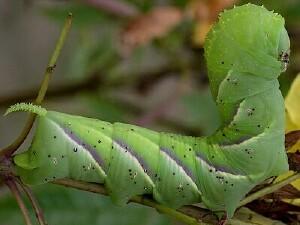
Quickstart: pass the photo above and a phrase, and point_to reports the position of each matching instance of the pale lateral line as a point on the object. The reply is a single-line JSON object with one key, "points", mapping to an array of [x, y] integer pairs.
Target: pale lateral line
{"points": [[237, 112], [169, 157], [119, 146], [152, 142], [177, 161], [216, 168], [253, 138], [221, 83], [234, 120], [91, 152], [218, 171], [181, 169]]}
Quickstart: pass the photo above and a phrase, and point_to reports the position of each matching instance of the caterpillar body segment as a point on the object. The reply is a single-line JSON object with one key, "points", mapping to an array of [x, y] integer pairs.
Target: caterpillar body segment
{"points": [[245, 52]]}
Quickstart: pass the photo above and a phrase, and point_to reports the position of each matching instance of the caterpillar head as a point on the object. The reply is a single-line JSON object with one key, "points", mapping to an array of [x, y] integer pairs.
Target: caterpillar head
{"points": [[248, 39]]}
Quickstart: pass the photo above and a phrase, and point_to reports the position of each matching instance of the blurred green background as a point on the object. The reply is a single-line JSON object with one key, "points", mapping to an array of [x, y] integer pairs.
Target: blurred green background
{"points": [[134, 61]]}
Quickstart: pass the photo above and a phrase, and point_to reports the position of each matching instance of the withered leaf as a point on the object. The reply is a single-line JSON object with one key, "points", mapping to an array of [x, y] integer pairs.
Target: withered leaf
{"points": [[155, 24]]}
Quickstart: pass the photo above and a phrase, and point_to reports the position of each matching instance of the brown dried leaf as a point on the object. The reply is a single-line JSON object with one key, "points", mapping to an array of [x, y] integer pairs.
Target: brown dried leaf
{"points": [[155, 24], [216, 6], [286, 192], [208, 10], [198, 10], [200, 32], [292, 138], [275, 210], [294, 162]]}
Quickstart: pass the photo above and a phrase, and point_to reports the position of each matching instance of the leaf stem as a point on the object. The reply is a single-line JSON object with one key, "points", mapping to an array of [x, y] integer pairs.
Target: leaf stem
{"points": [[100, 189], [270, 189], [16, 192], [10, 149]]}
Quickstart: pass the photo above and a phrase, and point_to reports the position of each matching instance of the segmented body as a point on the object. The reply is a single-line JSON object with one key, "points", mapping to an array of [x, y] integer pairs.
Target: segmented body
{"points": [[179, 170]]}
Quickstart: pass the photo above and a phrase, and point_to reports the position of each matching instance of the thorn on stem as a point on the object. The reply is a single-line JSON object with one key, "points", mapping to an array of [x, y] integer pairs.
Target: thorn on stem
{"points": [[51, 68]]}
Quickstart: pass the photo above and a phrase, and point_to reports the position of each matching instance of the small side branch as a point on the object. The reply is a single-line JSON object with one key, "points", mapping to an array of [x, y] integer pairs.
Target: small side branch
{"points": [[38, 212], [9, 150], [15, 191], [270, 189]]}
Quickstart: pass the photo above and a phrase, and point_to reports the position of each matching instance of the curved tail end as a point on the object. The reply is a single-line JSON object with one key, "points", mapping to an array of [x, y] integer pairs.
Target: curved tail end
{"points": [[26, 107]]}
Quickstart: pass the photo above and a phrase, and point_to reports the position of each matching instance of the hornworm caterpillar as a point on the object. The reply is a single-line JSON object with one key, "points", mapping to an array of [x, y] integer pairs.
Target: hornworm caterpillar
{"points": [[245, 51]]}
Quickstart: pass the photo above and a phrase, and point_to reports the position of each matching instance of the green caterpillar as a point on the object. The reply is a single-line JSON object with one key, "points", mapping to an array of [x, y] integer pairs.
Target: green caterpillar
{"points": [[245, 51]]}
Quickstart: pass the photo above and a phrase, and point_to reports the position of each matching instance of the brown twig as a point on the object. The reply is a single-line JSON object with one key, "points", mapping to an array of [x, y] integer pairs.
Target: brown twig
{"points": [[270, 189], [16, 192], [10, 149], [96, 81], [64, 90]]}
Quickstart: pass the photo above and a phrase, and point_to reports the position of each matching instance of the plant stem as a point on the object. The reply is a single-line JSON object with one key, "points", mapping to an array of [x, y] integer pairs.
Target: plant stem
{"points": [[38, 212], [53, 59], [15, 191], [100, 189], [270, 189], [10, 149], [168, 211]]}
